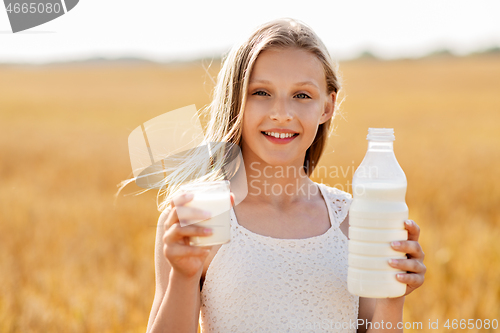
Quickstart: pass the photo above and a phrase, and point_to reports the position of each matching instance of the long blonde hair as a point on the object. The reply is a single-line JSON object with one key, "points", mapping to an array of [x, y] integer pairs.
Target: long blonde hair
{"points": [[225, 112]]}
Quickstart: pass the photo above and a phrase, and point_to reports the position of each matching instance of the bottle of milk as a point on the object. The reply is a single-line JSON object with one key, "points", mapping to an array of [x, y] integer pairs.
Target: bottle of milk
{"points": [[376, 218]]}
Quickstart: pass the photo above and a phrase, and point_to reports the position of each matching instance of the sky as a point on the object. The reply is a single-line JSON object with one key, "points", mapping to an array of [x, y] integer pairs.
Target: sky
{"points": [[164, 30]]}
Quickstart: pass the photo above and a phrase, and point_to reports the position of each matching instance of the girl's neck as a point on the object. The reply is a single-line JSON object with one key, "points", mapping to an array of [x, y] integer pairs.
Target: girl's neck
{"points": [[278, 185]]}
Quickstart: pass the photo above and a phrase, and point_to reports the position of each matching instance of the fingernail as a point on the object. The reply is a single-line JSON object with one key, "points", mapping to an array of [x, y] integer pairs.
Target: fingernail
{"points": [[409, 223], [400, 276], [189, 195], [396, 244], [207, 231], [393, 261]]}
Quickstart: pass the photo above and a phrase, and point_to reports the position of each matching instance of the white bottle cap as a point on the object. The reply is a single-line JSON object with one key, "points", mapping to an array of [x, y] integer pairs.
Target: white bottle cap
{"points": [[380, 134]]}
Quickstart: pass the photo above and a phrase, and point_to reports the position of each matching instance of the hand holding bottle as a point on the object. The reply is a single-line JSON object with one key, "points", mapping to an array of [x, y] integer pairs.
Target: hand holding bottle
{"points": [[414, 265]]}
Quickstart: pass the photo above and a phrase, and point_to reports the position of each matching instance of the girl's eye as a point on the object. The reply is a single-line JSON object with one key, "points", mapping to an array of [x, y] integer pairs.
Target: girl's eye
{"points": [[260, 93], [302, 96]]}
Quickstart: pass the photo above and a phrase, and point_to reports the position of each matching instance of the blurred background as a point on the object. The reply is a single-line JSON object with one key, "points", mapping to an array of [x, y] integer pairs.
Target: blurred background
{"points": [[75, 259]]}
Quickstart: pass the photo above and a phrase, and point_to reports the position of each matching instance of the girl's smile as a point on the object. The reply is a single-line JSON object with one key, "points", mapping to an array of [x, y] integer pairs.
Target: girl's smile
{"points": [[280, 136]]}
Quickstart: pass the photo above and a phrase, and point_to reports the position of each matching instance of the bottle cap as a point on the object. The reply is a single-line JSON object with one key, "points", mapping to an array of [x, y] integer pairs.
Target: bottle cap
{"points": [[380, 134]]}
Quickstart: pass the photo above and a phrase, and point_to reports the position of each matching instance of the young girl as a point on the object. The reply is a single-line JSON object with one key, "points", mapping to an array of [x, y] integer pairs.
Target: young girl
{"points": [[285, 268]]}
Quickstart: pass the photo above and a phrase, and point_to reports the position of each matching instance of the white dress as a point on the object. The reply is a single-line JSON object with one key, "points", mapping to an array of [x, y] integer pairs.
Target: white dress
{"points": [[258, 283]]}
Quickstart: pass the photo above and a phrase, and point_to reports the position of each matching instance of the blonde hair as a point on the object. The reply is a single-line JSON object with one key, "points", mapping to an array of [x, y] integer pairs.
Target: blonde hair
{"points": [[225, 112]]}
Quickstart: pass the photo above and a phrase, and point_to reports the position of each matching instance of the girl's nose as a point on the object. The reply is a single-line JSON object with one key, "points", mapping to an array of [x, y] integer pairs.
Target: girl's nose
{"points": [[281, 110]]}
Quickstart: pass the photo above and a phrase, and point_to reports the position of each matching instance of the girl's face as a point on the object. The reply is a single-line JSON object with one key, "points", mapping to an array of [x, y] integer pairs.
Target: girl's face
{"points": [[286, 97]]}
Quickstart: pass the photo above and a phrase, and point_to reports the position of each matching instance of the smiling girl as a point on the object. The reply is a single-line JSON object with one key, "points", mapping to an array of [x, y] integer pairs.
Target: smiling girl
{"points": [[285, 268]]}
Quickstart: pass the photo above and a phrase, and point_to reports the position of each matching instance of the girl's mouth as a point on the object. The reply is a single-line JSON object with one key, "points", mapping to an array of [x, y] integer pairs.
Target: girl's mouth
{"points": [[280, 138]]}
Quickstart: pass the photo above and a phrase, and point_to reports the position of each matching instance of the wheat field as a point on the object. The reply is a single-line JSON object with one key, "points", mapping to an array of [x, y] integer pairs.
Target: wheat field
{"points": [[74, 259]]}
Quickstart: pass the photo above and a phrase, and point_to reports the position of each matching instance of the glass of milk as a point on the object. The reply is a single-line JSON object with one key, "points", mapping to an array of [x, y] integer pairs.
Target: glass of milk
{"points": [[215, 198]]}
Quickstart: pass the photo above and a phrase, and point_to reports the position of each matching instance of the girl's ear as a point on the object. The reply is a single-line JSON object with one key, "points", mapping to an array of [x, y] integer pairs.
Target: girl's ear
{"points": [[329, 110]]}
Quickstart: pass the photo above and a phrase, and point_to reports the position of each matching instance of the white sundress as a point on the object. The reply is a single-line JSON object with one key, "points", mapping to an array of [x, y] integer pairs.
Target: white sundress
{"points": [[258, 283]]}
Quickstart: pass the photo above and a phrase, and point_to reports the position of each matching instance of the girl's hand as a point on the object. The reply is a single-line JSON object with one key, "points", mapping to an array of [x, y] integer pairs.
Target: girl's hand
{"points": [[414, 265], [185, 259]]}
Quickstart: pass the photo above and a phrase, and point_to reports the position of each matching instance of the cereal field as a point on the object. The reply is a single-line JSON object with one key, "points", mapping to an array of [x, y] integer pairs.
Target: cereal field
{"points": [[72, 259]]}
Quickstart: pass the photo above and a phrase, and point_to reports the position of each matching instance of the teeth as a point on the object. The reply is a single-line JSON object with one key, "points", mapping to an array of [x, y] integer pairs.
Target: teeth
{"points": [[280, 135]]}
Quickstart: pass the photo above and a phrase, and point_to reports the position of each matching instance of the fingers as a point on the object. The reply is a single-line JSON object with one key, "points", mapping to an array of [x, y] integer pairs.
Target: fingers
{"points": [[190, 214], [412, 248], [411, 279], [232, 198], [182, 251], [171, 217], [409, 265], [177, 233], [183, 214], [413, 230], [181, 199], [414, 265], [183, 257]]}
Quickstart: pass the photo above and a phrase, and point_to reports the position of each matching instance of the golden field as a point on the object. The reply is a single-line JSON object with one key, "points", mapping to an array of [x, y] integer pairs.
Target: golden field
{"points": [[74, 260]]}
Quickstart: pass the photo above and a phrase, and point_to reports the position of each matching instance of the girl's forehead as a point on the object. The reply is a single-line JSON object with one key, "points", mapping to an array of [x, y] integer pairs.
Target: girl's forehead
{"points": [[290, 63], [289, 53]]}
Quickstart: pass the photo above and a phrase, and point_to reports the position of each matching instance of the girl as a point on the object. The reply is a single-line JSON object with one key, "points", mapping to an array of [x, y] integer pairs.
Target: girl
{"points": [[285, 268]]}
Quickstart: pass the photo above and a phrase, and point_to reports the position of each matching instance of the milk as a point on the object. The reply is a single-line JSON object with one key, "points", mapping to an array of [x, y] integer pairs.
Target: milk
{"points": [[218, 205], [215, 198], [376, 218], [378, 206]]}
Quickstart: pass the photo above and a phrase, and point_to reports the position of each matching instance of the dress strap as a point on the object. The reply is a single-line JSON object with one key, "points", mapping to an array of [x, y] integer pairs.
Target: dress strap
{"points": [[339, 201]]}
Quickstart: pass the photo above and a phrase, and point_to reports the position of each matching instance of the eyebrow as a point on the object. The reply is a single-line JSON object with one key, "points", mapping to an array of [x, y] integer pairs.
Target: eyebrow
{"points": [[302, 83]]}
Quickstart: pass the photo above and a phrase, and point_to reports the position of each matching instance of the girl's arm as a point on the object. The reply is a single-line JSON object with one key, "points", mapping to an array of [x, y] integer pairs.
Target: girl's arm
{"points": [[178, 266], [380, 311]]}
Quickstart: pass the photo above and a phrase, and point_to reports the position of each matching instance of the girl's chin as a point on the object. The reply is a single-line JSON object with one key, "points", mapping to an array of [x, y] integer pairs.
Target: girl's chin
{"points": [[262, 157], [275, 161]]}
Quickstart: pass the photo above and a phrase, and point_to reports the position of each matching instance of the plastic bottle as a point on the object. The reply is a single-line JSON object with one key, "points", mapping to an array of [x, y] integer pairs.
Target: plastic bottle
{"points": [[376, 218]]}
